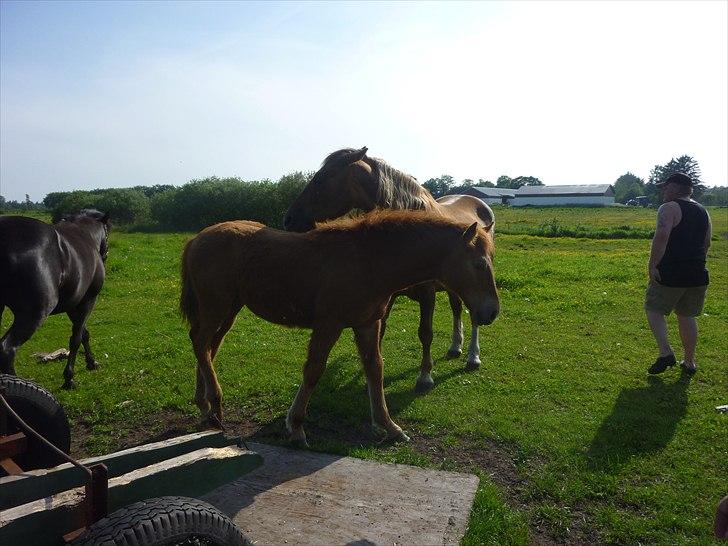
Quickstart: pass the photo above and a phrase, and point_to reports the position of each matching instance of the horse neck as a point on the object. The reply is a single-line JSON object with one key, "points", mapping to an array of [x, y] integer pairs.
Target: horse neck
{"points": [[409, 255], [90, 232], [397, 190]]}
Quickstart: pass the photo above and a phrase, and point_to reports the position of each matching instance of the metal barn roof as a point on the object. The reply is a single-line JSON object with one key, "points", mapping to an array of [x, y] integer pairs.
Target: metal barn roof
{"points": [[484, 191], [564, 191]]}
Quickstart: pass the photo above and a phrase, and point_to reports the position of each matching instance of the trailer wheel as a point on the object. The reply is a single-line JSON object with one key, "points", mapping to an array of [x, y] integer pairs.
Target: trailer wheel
{"points": [[164, 521], [39, 409]]}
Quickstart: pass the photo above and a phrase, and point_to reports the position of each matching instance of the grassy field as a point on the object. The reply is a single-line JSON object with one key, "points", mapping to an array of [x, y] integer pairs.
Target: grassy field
{"points": [[572, 440]]}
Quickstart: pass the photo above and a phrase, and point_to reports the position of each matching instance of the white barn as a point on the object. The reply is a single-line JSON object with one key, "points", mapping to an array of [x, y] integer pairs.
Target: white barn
{"points": [[585, 194], [492, 196]]}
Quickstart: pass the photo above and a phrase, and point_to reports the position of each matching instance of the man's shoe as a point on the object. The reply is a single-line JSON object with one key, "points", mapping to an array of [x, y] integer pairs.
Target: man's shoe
{"points": [[661, 364]]}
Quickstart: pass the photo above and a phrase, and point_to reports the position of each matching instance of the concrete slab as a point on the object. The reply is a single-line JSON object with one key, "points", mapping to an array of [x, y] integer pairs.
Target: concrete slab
{"points": [[301, 497]]}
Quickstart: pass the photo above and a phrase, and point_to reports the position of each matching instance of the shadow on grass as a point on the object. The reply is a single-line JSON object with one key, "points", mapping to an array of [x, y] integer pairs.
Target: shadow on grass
{"points": [[643, 420], [339, 411]]}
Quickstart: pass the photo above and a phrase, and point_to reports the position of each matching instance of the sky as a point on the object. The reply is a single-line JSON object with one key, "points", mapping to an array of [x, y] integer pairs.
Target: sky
{"points": [[111, 94]]}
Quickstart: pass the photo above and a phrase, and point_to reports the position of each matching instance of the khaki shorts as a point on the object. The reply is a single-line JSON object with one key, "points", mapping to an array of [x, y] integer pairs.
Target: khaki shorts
{"points": [[686, 301]]}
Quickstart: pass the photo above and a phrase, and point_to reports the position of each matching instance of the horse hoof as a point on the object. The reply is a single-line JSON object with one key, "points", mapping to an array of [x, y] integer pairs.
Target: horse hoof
{"points": [[69, 385], [396, 438], [424, 385], [454, 353], [299, 443], [472, 365], [92, 365]]}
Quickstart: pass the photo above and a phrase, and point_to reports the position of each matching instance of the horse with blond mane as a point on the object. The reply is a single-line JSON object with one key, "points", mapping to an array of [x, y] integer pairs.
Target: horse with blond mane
{"points": [[339, 276], [350, 180]]}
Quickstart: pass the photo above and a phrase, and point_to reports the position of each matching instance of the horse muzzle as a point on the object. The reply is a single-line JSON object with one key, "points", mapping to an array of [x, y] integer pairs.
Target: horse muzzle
{"points": [[484, 317], [297, 224]]}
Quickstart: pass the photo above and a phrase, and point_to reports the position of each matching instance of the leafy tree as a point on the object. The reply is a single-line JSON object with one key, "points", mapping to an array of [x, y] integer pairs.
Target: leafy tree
{"points": [[683, 164], [525, 181], [466, 183], [715, 196], [126, 206], [504, 182], [439, 186], [515, 183], [151, 191], [628, 186], [485, 183]]}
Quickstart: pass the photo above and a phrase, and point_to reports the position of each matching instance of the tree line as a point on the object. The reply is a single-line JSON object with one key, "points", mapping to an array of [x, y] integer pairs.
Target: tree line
{"points": [[200, 203], [626, 187], [191, 207]]}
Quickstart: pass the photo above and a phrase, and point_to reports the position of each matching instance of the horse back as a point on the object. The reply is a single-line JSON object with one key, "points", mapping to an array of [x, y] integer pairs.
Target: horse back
{"points": [[278, 275], [30, 262], [466, 208], [42, 268], [83, 269]]}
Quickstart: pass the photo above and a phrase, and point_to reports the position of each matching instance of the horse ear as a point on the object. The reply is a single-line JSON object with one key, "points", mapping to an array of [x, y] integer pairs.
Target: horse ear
{"points": [[489, 227], [355, 156], [105, 218], [470, 233]]}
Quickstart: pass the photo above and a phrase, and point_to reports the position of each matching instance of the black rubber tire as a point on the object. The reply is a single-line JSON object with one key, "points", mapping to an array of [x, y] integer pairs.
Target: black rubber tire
{"points": [[164, 521], [39, 409]]}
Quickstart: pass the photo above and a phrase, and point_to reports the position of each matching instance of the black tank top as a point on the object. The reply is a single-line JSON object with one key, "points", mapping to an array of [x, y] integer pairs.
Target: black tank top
{"points": [[684, 261]]}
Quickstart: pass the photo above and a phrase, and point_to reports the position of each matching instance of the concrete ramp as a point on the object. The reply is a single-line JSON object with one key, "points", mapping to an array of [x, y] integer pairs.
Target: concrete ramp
{"points": [[301, 497]]}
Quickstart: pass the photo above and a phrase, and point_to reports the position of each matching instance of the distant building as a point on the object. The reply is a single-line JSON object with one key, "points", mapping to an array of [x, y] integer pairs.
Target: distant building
{"points": [[492, 196], [592, 194]]}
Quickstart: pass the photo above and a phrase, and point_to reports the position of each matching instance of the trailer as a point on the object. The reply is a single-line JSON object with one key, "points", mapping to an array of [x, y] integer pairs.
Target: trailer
{"points": [[147, 495]]}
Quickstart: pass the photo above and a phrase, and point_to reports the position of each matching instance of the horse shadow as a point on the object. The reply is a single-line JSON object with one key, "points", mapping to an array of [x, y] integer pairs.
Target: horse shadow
{"points": [[643, 420], [339, 412]]}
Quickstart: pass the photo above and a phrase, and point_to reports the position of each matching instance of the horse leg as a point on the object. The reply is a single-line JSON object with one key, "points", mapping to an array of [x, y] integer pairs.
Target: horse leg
{"points": [[367, 341], [207, 336], [91, 363], [220, 334], [427, 310], [322, 341], [474, 347], [200, 399], [384, 319], [19, 332], [456, 347], [78, 317]]}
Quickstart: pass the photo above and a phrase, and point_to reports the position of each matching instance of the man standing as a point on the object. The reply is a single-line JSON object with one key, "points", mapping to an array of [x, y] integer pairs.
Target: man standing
{"points": [[678, 277]]}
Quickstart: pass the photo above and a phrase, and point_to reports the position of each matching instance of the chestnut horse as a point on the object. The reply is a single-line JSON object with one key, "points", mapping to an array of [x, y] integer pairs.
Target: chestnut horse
{"points": [[46, 270], [349, 180], [341, 275]]}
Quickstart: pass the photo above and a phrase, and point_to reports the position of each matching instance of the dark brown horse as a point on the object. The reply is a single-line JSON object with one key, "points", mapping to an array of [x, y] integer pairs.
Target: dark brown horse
{"points": [[339, 276], [350, 180], [45, 270]]}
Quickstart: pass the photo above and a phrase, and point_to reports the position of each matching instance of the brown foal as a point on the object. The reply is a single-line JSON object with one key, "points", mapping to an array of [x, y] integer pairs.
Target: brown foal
{"points": [[341, 275]]}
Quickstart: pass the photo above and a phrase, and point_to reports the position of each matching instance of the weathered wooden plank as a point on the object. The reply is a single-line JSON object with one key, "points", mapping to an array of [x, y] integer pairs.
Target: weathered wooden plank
{"points": [[192, 474], [308, 498], [36, 484]]}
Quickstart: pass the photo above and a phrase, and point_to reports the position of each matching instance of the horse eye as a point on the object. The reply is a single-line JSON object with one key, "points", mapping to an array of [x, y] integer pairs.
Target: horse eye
{"points": [[480, 265]]}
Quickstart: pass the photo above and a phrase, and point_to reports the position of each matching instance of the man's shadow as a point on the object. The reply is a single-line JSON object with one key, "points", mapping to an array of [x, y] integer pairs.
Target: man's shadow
{"points": [[643, 420]]}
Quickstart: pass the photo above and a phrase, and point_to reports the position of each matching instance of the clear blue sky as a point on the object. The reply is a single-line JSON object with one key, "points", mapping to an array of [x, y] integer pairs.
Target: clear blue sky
{"points": [[119, 94]]}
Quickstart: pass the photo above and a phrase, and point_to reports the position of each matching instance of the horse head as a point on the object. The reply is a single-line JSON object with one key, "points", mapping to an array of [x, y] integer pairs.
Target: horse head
{"points": [[96, 224], [339, 186], [469, 273]]}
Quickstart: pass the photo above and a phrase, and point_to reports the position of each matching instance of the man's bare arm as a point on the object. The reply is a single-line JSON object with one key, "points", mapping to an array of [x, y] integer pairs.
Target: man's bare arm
{"points": [[708, 235], [666, 220]]}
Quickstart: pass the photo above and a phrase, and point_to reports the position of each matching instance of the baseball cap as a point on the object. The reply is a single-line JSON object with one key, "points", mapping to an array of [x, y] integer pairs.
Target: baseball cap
{"points": [[677, 178]]}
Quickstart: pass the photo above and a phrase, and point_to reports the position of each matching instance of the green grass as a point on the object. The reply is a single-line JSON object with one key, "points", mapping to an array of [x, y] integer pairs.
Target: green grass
{"points": [[583, 222], [601, 452]]}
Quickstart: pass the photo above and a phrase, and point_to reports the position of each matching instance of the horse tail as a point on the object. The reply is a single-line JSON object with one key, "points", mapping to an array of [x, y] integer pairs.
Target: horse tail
{"points": [[188, 299]]}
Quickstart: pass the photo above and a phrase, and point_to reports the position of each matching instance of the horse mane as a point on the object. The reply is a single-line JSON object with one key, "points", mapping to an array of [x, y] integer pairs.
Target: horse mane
{"points": [[85, 213], [386, 220], [395, 189]]}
